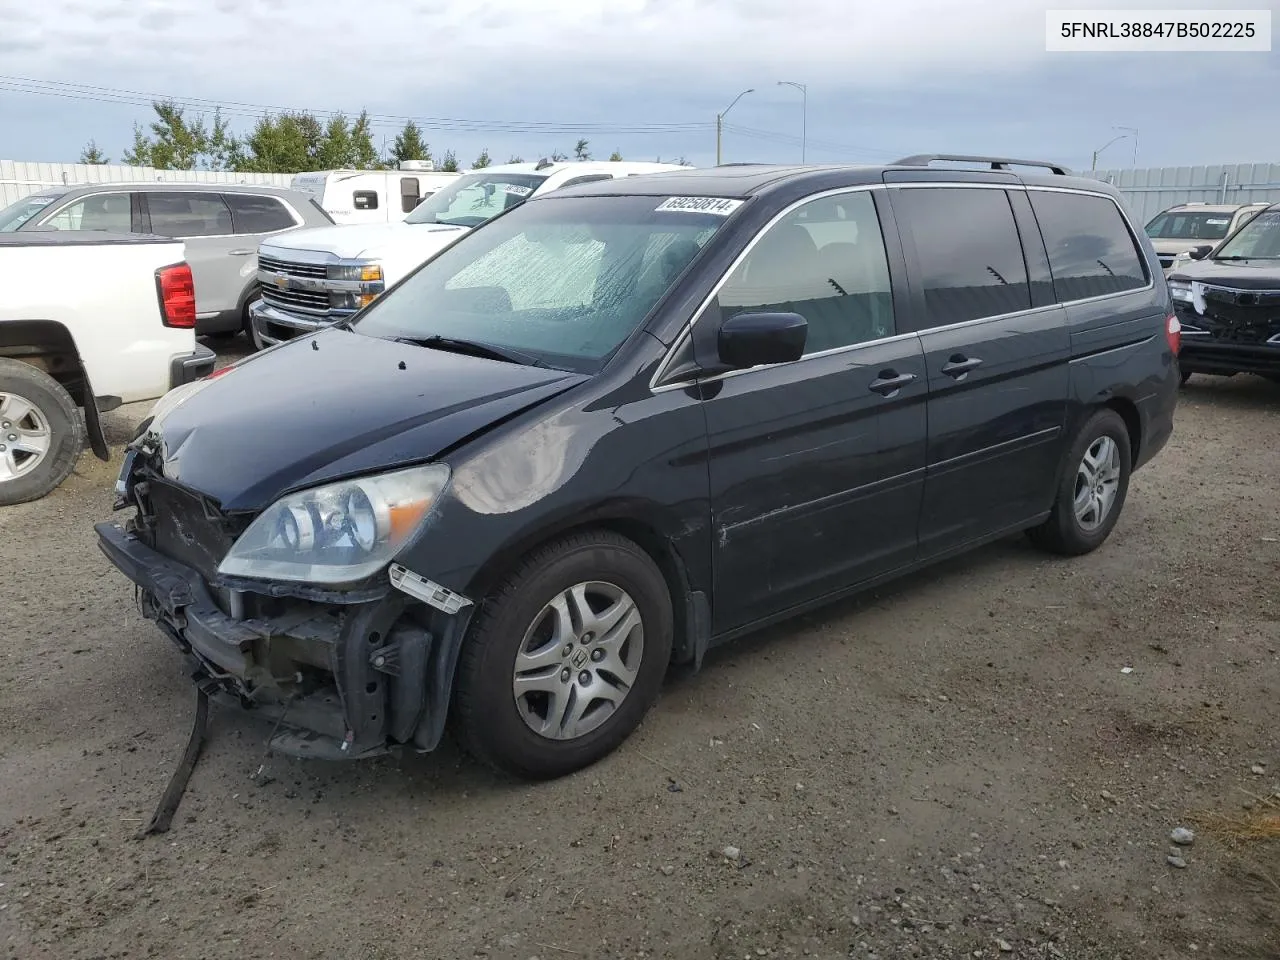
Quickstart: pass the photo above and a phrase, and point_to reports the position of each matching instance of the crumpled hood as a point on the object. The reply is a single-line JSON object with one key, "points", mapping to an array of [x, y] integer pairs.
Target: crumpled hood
{"points": [[336, 404], [1242, 274], [363, 240]]}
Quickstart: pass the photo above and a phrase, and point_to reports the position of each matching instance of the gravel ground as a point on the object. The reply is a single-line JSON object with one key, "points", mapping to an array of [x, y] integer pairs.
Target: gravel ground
{"points": [[957, 766]]}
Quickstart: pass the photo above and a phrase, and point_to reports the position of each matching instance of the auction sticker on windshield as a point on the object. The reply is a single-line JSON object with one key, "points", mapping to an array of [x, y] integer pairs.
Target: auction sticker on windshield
{"points": [[516, 190], [717, 205]]}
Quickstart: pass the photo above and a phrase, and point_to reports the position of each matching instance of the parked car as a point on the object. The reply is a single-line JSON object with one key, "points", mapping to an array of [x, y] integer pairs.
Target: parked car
{"points": [[222, 225], [373, 196], [1195, 225], [315, 277], [1228, 302], [625, 422], [88, 320]]}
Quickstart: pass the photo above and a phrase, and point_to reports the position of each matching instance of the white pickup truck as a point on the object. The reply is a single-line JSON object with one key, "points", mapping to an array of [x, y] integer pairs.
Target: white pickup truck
{"points": [[309, 278], [89, 320]]}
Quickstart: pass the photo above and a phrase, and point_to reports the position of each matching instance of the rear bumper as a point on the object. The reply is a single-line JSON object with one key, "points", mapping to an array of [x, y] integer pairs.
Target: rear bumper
{"points": [[1201, 354], [191, 366], [339, 681]]}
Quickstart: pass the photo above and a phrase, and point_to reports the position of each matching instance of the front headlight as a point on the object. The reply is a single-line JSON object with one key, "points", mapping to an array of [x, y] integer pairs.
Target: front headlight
{"points": [[1180, 290], [339, 532], [364, 272]]}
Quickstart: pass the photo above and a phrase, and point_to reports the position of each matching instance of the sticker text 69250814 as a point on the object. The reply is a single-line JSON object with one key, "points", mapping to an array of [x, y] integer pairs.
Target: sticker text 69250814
{"points": [[719, 206]]}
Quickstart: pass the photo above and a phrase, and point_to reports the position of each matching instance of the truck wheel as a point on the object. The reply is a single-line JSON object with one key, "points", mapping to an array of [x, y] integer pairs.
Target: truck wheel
{"points": [[565, 657], [41, 434], [1092, 490]]}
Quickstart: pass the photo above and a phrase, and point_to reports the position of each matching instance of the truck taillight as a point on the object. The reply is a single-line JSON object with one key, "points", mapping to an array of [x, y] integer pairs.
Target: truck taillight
{"points": [[1173, 333], [177, 291]]}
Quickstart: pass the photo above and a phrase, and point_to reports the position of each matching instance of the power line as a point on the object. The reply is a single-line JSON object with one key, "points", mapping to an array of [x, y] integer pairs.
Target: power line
{"points": [[235, 108]]}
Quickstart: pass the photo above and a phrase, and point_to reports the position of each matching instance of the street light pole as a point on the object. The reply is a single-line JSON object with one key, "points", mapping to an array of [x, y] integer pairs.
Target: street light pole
{"points": [[1123, 136], [804, 111], [720, 120]]}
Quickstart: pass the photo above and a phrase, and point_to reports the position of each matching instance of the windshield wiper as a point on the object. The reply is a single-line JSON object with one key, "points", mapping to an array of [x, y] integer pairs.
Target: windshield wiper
{"points": [[475, 348], [1236, 256]]}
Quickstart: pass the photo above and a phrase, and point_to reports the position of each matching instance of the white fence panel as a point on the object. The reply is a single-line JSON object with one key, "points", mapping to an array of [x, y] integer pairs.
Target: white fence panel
{"points": [[19, 178]]}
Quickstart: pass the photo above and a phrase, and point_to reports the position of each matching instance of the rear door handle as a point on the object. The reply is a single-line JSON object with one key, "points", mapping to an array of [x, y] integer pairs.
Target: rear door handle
{"points": [[890, 382], [239, 253], [959, 365]]}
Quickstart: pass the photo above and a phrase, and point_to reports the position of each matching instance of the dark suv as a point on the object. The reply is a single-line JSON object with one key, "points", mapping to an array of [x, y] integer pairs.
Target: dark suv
{"points": [[1228, 303], [628, 421]]}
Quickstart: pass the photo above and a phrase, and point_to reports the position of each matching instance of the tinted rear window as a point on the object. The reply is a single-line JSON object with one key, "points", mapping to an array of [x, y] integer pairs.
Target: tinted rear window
{"points": [[970, 258], [1189, 226], [1091, 251], [258, 214]]}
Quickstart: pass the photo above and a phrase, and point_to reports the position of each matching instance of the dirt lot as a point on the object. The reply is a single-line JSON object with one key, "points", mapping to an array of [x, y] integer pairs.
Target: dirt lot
{"points": [[954, 767]]}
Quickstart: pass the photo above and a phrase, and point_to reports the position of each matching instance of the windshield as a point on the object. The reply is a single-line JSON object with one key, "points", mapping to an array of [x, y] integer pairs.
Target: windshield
{"points": [[562, 280], [15, 215], [1189, 226], [1259, 239], [471, 200]]}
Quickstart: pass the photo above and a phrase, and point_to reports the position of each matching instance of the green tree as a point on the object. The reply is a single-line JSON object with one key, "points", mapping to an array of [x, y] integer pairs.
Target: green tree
{"points": [[615, 156], [559, 157], [174, 142], [364, 155], [336, 149], [516, 158], [482, 161], [289, 142], [449, 162], [409, 144], [580, 151], [91, 154]]}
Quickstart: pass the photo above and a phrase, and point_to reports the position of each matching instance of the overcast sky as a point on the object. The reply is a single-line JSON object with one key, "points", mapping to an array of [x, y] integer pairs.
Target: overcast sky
{"points": [[645, 77]]}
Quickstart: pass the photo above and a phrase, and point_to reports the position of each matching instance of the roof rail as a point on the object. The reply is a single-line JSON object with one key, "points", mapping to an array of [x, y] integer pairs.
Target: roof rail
{"points": [[997, 163]]}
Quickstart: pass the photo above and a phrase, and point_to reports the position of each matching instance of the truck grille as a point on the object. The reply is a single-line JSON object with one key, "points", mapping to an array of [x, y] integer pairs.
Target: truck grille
{"points": [[293, 269], [301, 301]]}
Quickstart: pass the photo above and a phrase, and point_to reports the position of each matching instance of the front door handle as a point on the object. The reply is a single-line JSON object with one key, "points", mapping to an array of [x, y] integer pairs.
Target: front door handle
{"points": [[239, 253], [890, 382], [959, 365]]}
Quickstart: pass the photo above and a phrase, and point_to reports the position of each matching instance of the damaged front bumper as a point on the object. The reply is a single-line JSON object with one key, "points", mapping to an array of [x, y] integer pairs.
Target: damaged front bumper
{"points": [[340, 676]]}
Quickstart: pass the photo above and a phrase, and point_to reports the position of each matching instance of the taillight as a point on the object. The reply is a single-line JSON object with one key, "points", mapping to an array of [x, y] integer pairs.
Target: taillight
{"points": [[177, 291], [1173, 333]]}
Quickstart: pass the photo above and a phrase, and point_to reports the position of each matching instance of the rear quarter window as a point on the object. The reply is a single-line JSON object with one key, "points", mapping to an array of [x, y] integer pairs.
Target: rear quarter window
{"points": [[1092, 252], [258, 214]]}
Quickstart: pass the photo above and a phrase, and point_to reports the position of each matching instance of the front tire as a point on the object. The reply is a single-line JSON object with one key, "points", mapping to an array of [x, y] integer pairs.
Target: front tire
{"points": [[41, 434], [1092, 490], [565, 657]]}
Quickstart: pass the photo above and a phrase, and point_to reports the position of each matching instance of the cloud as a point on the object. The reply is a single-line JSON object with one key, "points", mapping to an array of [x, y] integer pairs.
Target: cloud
{"points": [[882, 77]]}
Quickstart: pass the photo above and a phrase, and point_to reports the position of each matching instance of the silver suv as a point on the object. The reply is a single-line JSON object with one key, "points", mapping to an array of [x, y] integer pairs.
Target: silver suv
{"points": [[222, 225], [1191, 225]]}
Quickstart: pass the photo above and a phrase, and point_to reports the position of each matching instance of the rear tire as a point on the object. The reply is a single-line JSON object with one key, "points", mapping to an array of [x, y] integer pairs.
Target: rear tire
{"points": [[565, 657], [1092, 490], [41, 433]]}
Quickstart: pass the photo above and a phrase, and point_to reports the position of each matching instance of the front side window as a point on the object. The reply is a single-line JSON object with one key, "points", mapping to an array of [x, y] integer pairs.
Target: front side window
{"points": [[25, 211], [471, 200], [1259, 239], [826, 261], [1091, 251], [968, 250], [564, 281], [1189, 226], [258, 214], [175, 214], [103, 211]]}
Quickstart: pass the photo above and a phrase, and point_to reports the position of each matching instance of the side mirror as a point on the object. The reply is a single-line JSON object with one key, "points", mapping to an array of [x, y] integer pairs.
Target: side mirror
{"points": [[752, 339], [1200, 252]]}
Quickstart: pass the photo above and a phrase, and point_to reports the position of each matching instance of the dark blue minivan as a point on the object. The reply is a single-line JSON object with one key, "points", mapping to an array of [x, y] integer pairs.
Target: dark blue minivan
{"points": [[628, 421]]}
